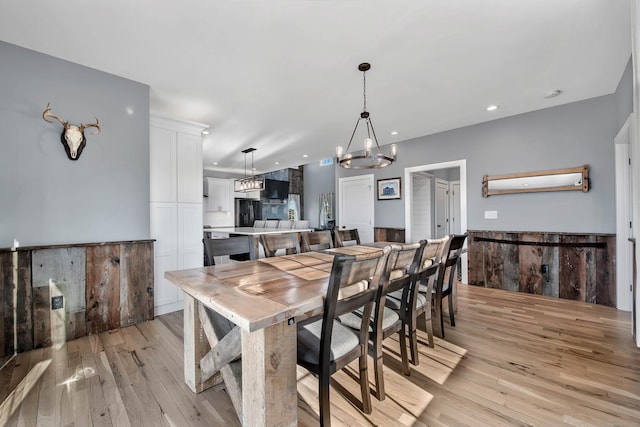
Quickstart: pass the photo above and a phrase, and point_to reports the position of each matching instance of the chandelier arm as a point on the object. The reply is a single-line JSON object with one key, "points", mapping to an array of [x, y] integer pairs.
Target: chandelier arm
{"points": [[352, 135], [375, 138]]}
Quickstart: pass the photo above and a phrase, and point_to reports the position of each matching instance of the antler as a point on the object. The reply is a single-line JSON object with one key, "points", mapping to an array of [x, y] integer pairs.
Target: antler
{"points": [[48, 113], [91, 125]]}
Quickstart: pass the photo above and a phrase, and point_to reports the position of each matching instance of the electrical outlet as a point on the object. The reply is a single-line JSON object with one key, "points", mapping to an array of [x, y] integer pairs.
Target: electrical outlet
{"points": [[545, 269], [57, 302]]}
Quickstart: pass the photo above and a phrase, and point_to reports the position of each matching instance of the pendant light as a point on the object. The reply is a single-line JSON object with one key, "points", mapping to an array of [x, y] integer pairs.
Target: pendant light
{"points": [[248, 183], [368, 158]]}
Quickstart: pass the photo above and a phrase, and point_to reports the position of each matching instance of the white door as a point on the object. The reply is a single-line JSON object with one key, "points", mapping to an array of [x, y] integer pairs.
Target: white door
{"points": [[356, 205], [441, 209], [454, 207]]}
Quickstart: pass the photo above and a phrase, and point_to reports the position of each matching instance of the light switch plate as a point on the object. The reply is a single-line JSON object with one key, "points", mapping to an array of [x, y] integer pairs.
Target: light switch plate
{"points": [[490, 214]]}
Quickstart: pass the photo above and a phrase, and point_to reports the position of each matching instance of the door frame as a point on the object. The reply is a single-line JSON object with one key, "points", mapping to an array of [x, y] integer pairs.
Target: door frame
{"points": [[624, 199], [462, 164]]}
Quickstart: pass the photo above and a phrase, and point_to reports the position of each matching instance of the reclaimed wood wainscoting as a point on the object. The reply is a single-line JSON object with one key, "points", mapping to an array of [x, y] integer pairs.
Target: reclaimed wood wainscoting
{"points": [[572, 266], [64, 292]]}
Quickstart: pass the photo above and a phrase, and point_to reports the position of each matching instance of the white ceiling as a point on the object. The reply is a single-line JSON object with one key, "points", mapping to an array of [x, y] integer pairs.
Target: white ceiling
{"points": [[281, 76]]}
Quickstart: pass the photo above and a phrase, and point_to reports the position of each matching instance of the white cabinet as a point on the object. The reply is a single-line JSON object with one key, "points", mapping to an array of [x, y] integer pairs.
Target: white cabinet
{"points": [[219, 195], [176, 204]]}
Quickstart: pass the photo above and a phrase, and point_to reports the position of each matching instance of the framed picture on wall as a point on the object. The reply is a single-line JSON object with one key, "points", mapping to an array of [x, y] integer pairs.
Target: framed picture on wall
{"points": [[389, 189]]}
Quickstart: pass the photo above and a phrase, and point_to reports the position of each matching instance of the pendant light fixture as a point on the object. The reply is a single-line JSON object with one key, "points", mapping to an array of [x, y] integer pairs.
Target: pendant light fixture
{"points": [[248, 183], [367, 159]]}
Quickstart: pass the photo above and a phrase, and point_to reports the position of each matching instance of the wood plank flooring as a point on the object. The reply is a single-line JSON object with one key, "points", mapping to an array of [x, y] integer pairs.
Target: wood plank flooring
{"points": [[513, 359]]}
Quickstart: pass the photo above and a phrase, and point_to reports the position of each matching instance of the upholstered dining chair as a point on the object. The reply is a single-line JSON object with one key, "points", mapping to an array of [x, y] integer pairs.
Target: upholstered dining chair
{"points": [[447, 277], [271, 223], [259, 223], [301, 224], [285, 224], [316, 240], [325, 346], [389, 319], [272, 243], [239, 245], [343, 236]]}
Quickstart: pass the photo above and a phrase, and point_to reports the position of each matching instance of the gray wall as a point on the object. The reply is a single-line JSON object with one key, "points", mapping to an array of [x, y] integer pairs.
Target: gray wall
{"points": [[47, 198], [316, 180], [559, 137]]}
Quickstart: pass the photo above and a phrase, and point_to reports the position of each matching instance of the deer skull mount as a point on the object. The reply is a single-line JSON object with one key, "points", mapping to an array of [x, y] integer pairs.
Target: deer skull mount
{"points": [[72, 137]]}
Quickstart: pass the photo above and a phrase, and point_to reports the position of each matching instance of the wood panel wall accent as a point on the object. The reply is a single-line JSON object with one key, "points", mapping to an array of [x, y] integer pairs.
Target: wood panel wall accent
{"points": [[6, 303], [563, 265], [103, 285], [388, 234]]}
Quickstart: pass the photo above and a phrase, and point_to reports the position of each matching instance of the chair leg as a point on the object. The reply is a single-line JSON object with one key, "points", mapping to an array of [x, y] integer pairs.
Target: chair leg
{"points": [[380, 394], [413, 340], [451, 319], [325, 407], [364, 385], [403, 351], [430, 333]]}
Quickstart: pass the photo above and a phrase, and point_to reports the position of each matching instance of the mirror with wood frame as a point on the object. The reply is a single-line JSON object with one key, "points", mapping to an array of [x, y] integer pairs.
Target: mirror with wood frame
{"points": [[569, 179]]}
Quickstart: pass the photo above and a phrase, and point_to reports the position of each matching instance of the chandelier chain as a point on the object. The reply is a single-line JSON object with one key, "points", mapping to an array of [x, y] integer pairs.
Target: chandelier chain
{"points": [[364, 90]]}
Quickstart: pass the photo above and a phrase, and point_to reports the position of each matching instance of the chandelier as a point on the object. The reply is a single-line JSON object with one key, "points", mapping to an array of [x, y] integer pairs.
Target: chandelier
{"points": [[248, 183], [368, 159]]}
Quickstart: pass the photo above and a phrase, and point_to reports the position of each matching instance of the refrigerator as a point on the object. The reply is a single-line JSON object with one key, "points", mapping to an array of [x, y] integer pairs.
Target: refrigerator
{"points": [[247, 211]]}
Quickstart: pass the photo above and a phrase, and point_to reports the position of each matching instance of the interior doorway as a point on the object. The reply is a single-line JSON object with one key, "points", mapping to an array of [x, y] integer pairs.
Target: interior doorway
{"points": [[422, 200]]}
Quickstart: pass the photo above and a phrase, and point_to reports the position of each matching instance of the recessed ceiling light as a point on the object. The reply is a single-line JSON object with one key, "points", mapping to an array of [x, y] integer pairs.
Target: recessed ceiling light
{"points": [[492, 107], [277, 163], [552, 93], [215, 163], [305, 155], [394, 132], [206, 132], [254, 169]]}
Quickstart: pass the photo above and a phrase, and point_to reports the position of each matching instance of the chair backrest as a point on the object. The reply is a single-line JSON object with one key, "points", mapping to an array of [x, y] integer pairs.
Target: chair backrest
{"points": [[353, 283], [433, 251], [399, 274], [316, 240], [274, 242], [231, 246], [259, 223], [285, 224], [346, 235], [449, 259], [271, 223], [301, 224]]}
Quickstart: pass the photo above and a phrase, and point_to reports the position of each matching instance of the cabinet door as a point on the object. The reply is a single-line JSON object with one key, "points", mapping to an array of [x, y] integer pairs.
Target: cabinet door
{"points": [[190, 246], [189, 168], [162, 165], [164, 223], [219, 199]]}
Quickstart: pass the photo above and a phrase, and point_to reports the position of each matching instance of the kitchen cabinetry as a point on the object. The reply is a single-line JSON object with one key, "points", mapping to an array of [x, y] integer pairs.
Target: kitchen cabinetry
{"points": [[176, 204], [218, 194]]}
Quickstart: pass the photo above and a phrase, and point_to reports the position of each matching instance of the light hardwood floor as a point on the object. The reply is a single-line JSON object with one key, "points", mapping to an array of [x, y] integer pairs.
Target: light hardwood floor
{"points": [[512, 359]]}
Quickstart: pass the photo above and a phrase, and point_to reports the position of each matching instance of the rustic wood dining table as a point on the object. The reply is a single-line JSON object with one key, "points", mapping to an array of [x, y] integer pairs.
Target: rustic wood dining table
{"points": [[265, 299]]}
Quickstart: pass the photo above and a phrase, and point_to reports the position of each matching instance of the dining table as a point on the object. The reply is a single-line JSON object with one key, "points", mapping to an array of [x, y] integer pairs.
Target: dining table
{"points": [[262, 300]]}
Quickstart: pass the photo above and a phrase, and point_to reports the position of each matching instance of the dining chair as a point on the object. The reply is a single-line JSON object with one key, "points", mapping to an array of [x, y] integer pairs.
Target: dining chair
{"points": [[301, 224], [343, 236], [239, 245], [325, 346], [272, 243], [285, 224], [388, 319], [271, 223], [447, 276], [316, 240], [259, 223]]}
